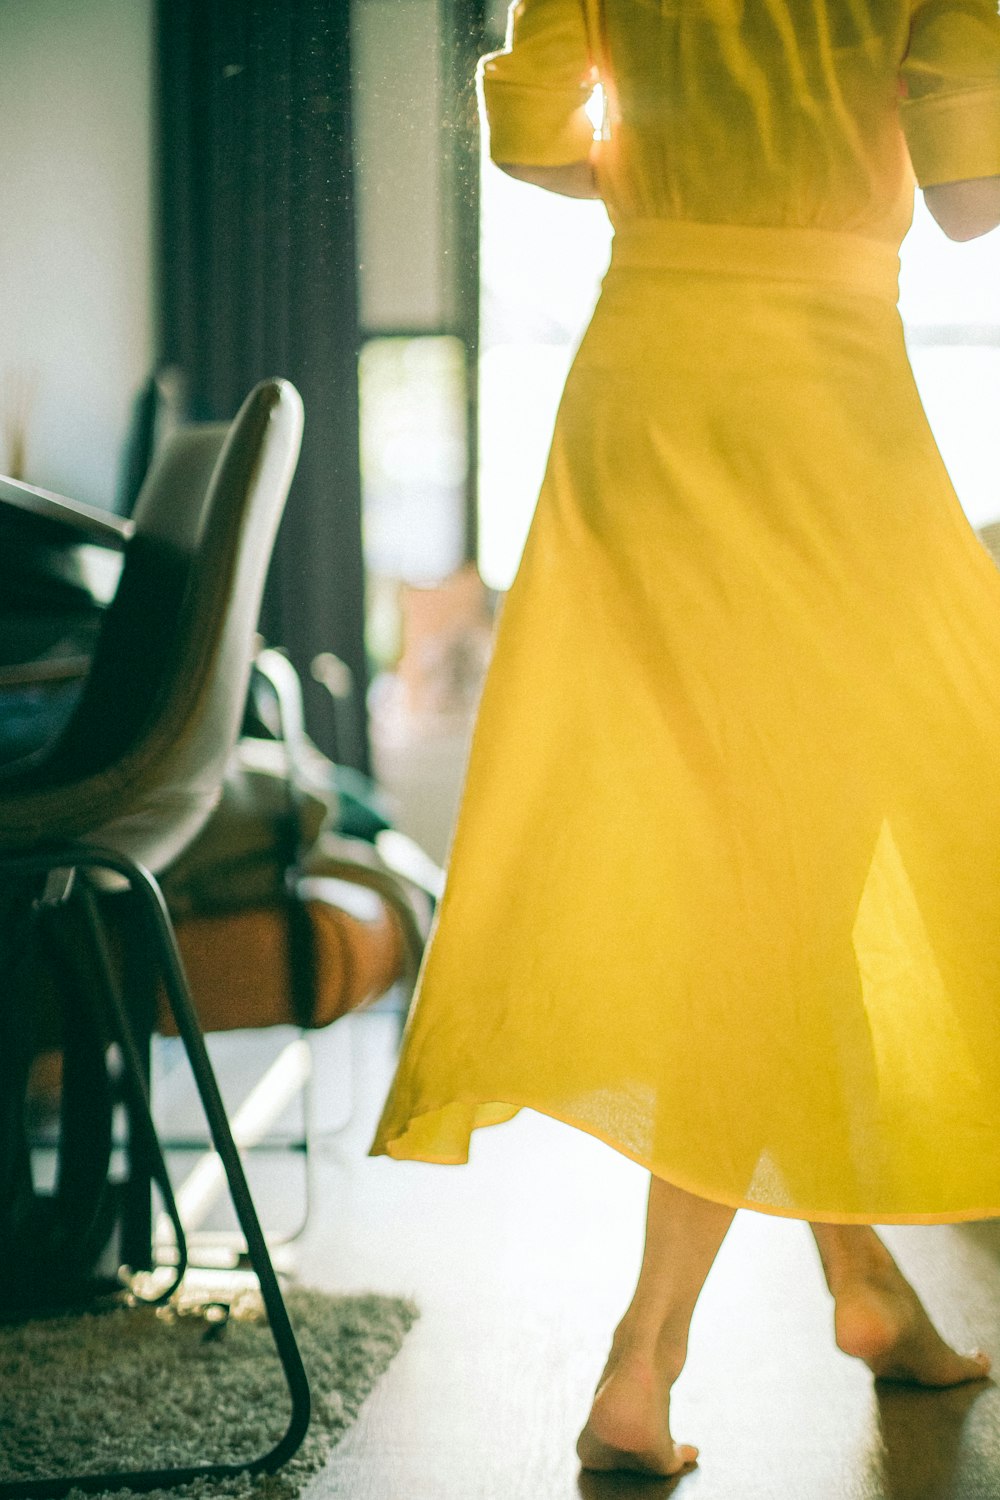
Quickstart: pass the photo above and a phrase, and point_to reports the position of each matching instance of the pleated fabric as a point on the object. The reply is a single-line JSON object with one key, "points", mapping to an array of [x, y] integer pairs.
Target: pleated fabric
{"points": [[725, 887]]}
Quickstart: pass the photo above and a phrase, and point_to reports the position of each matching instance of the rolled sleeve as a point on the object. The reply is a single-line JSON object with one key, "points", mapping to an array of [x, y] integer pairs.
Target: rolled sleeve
{"points": [[535, 91], [951, 78]]}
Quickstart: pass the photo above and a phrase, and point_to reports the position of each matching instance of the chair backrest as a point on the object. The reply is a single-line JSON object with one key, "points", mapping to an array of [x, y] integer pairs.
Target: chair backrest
{"points": [[141, 760], [139, 632]]}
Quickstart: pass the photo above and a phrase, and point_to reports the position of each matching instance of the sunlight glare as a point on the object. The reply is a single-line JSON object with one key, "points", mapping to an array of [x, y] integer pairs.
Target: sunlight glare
{"points": [[595, 108]]}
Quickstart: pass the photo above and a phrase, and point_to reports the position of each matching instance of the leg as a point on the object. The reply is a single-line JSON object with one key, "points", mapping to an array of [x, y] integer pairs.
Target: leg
{"points": [[629, 1423], [879, 1317]]}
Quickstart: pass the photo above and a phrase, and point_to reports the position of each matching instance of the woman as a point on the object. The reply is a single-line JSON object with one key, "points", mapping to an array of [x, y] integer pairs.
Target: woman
{"points": [[725, 888]]}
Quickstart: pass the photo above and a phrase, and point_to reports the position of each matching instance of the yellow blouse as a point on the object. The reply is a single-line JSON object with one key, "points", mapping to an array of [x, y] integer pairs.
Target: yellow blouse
{"points": [[771, 112]]}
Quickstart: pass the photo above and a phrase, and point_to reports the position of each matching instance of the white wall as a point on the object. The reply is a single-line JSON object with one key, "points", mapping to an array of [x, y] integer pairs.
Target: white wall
{"points": [[76, 280], [397, 109]]}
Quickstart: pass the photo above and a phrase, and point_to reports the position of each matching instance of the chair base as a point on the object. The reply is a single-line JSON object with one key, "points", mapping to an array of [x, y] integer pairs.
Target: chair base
{"points": [[76, 857]]}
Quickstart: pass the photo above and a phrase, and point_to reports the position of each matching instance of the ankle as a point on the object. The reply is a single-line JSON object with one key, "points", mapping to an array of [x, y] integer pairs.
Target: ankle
{"points": [[852, 1258], [662, 1349]]}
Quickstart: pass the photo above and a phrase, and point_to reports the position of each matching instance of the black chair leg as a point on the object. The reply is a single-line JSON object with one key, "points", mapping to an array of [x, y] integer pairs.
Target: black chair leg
{"points": [[143, 1139], [189, 1029]]}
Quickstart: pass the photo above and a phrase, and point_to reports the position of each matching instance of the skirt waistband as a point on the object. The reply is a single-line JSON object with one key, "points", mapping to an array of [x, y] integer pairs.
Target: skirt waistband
{"points": [[817, 256]]}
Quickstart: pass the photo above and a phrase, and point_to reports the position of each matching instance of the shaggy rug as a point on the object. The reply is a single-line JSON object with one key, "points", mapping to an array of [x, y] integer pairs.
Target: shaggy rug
{"points": [[135, 1387]]}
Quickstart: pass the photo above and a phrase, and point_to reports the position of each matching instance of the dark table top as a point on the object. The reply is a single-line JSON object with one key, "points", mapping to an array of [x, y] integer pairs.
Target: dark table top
{"points": [[60, 560], [28, 514]]}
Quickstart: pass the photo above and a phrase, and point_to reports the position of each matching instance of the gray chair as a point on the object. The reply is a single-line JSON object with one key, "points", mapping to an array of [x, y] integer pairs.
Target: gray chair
{"points": [[39, 689], [128, 783]]}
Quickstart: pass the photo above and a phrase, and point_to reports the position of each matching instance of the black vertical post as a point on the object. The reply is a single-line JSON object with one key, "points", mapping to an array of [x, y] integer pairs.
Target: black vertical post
{"points": [[463, 34], [136, 1248]]}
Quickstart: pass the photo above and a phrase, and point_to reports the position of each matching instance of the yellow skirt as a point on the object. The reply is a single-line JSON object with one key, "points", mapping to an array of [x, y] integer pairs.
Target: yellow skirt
{"points": [[725, 887]]}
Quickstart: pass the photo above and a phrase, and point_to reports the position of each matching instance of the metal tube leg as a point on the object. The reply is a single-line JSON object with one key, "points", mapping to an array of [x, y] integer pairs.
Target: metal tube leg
{"points": [[189, 1029], [134, 1081], [146, 888]]}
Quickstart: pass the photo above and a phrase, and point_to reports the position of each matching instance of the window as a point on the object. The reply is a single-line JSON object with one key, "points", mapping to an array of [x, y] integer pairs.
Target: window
{"points": [[542, 258], [413, 471], [950, 302]]}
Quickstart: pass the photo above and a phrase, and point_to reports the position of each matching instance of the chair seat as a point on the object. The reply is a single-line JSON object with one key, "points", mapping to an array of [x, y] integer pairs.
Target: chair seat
{"points": [[238, 963]]}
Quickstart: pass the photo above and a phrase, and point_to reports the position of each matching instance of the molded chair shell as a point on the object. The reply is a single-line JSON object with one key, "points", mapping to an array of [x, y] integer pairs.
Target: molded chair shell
{"points": [[139, 765]]}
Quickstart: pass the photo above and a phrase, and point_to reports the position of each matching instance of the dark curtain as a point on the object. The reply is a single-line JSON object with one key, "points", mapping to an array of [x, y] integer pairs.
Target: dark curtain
{"points": [[257, 276]]}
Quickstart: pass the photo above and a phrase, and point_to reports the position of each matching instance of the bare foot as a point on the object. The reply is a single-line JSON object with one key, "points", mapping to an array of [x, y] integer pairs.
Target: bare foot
{"points": [[629, 1422], [881, 1320]]}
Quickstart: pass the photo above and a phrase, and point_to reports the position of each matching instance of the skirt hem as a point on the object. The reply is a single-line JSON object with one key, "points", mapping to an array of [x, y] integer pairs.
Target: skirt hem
{"points": [[390, 1146]]}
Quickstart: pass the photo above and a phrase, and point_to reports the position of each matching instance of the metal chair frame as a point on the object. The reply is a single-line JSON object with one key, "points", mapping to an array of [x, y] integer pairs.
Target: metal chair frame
{"points": [[88, 858]]}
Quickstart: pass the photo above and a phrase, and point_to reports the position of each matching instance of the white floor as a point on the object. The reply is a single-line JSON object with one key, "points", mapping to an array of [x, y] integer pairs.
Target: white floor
{"points": [[522, 1261]]}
